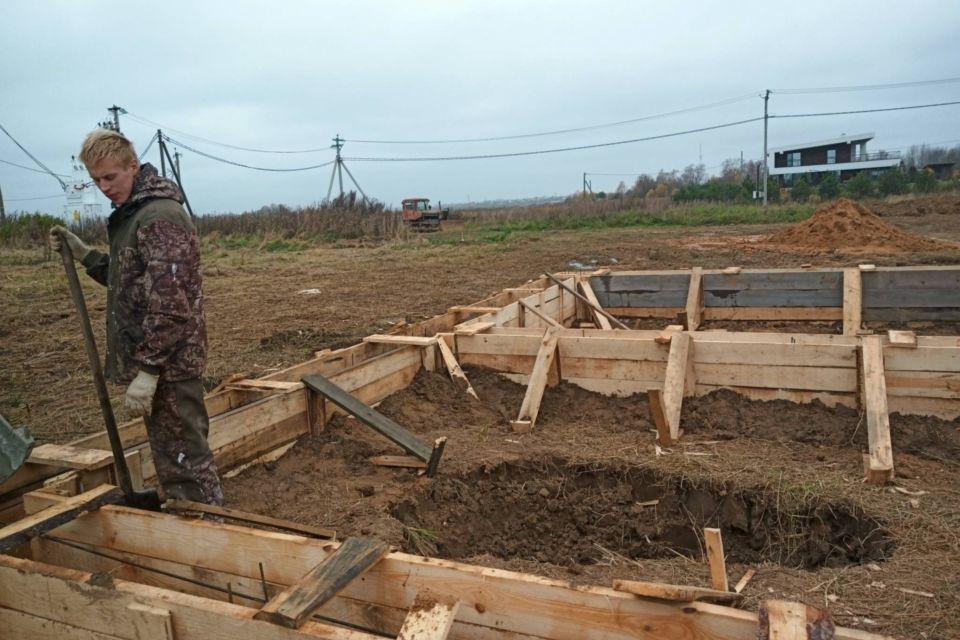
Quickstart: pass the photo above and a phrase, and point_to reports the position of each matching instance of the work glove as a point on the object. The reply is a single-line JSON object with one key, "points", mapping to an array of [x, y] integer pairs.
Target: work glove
{"points": [[139, 398], [77, 247]]}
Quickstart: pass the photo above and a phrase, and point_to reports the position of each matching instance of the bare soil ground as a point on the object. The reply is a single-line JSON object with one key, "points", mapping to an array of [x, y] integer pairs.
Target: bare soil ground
{"points": [[586, 496]]}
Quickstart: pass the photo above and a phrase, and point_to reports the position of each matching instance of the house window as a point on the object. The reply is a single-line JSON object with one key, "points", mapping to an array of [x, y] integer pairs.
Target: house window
{"points": [[831, 156], [793, 159]]}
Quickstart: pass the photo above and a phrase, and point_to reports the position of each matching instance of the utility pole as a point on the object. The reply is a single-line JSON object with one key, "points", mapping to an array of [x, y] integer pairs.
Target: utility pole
{"points": [[163, 161], [587, 186], [3, 212], [176, 162], [766, 178], [338, 168], [175, 168], [113, 125]]}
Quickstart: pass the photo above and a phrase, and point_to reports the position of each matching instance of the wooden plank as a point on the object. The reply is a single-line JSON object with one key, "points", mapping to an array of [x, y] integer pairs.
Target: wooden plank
{"points": [[258, 383], [533, 309], [880, 467], [20, 532], [852, 302], [907, 339], [675, 592], [601, 320], [786, 621], [292, 607], [150, 623], [407, 462], [658, 415], [498, 599], [69, 456], [72, 598], [695, 300], [430, 618], [675, 384], [473, 328], [527, 417], [371, 417], [244, 516], [416, 341], [829, 379], [745, 580], [718, 565], [823, 314], [453, 368], [16, 624]]}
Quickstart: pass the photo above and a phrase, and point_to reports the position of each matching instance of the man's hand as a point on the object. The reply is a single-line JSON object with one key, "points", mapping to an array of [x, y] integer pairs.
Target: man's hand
{"points": [[139, 398], [77, 247]]}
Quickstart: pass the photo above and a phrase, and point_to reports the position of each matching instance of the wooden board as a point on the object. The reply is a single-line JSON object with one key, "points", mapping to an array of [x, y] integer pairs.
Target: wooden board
{"points": [[718, 566], [70, 456], [676, 592], [852, 304], [678, 381], [530, 407], [255, 518], [294, 605], [601, 320], [416, 341], [880, 467], [431, 617], [453, 368], [21, 531], [693, 310]]}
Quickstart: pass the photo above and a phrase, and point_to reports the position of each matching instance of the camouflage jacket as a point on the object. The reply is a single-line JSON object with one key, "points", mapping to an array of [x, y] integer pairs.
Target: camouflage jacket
{"points": [[155, 318]]}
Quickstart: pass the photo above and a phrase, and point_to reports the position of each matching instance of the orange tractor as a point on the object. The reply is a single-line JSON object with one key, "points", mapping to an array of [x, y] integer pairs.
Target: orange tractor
{"points": [[419, 214]]}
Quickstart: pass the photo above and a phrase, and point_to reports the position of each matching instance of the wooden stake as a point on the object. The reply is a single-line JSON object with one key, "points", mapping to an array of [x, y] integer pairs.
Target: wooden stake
{"points": [[453, 367], [431, 617], [675, 592], [675, 385], [852, 302], [880, 468], [693, 312], [538, 381], [718, 566], [593, 304], [658, 413], [745, 580]]}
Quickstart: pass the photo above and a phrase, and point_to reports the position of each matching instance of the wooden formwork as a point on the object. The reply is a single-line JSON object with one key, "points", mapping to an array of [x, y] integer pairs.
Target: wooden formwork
{"points": [[541, 333]]}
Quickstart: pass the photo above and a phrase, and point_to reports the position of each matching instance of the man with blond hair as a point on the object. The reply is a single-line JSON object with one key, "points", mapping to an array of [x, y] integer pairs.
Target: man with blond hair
{"points": [[156, 330]]}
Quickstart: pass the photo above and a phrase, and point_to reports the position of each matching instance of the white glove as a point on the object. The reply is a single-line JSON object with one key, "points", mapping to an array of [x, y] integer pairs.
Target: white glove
{"points": [[77, 247], [139, 398]]}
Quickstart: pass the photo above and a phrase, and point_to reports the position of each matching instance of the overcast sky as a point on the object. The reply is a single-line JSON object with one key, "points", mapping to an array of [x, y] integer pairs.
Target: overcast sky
{"points": [[288, 75]]}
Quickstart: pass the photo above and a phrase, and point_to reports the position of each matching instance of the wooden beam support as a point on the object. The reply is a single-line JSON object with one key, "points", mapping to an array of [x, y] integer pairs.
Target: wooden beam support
{"points": [[675, 592], [294, 605], [453, 367], [473, 328], [678, 382], [873, 382], [377, 421], [527, 417], [70, 457], [658, 414], [852, 302], [416, 341], [405, 462], [582, 298], [602, 321], [692, 314], [430, 618], [718, 564], [254, 518], [20, 532], [533, 309]]}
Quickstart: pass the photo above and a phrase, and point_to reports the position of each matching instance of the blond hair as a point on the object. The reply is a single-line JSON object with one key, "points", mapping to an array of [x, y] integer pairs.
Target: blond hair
{"points": [[106, 143]]}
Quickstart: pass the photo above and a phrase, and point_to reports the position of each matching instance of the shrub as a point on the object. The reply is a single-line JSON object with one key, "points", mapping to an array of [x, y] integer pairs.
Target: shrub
{"points": [[859, 186], [892, 183], [801, 190], [925, 182], [829, 187]]}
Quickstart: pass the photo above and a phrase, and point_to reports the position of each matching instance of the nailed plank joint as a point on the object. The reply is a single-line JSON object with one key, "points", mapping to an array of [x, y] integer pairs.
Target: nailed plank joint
{"points": [[473, 328], [873, 382], [692, 314], [430, 618], [718, 565], [538, 381], [852, 301], [295, 604], [675, 592], [667, 334]]}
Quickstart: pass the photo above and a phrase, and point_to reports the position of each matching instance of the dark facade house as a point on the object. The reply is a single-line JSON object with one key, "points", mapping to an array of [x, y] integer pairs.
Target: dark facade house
{"points": [[942, 170], [843, 157]]}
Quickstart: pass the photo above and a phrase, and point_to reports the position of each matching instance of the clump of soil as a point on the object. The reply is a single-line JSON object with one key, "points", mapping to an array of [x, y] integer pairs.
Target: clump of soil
{"points": [[845, 225]]}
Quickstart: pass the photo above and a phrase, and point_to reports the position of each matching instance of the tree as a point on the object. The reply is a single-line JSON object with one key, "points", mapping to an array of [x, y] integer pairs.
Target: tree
{"points": [[859, 186], [693, 174], [892, 183], [801, 190], [773, 190], [925, 182], [829, 187], [644, 183]]}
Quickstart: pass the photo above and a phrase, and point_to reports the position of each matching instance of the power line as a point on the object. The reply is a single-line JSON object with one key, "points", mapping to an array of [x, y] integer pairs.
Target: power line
{"points": [[59, 195], [220, 144], [844, 113], [869, 87], [32, 157], [240, 164], [558, 150], [23, 166], [571, 130]]}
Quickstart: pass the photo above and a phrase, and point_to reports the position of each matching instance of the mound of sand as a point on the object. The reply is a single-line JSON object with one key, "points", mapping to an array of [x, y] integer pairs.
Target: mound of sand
{"points": [[849, 226]]}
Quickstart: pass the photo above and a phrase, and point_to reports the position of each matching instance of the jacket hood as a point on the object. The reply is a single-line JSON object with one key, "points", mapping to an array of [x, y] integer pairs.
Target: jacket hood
{"points": [[149, 185]]}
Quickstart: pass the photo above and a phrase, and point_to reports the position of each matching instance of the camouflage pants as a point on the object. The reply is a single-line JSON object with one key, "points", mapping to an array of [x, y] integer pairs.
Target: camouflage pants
{"points": [[178, 429]]}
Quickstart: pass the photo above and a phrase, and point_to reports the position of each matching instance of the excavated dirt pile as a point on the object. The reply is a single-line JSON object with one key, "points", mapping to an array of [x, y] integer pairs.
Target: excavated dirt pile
{"points": [[845, 225]]}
